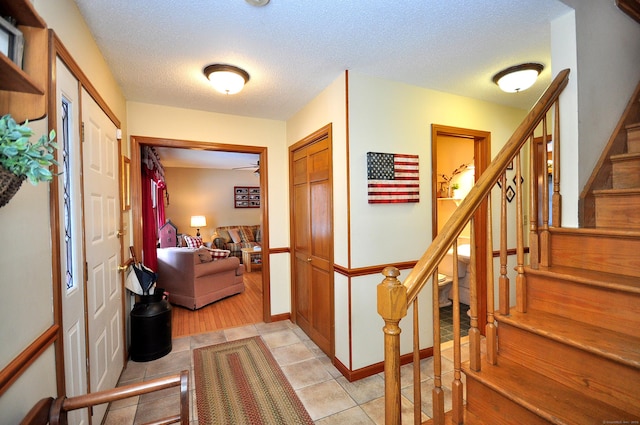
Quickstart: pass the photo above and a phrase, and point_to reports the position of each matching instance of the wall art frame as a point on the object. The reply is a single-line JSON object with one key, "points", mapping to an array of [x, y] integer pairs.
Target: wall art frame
{"points": [[246, 197]]}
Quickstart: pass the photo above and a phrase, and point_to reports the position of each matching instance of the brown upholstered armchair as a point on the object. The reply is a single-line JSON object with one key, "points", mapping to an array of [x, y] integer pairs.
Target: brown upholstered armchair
{"points": [[192, 283]]}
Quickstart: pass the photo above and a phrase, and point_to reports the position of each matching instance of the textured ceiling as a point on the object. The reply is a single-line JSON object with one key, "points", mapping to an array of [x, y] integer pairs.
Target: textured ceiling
{"points": [[293, 49]]}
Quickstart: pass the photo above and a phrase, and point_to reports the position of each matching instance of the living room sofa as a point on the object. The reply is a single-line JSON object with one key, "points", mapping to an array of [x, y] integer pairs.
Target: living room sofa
{"points": [[249, 237], [192, 283]]}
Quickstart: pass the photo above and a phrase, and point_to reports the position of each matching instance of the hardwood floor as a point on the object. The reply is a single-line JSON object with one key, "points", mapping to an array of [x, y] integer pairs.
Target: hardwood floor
{"points": [[236, 310]]}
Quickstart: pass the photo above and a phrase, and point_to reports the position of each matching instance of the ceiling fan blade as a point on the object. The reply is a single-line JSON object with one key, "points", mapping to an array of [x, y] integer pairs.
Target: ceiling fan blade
{"points": [[256, 165]]}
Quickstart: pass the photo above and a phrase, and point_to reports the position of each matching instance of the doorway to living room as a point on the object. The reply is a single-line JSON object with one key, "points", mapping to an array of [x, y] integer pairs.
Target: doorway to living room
{"points": [[257, 282]]}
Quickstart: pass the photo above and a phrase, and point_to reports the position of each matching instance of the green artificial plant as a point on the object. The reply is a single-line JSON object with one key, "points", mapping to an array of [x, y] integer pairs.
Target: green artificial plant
{"points": [[20, 156]]}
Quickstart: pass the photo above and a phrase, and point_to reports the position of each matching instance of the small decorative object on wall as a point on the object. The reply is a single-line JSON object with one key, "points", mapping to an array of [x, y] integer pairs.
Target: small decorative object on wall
{"points": [[510, 193], [246, 197], [515, 180], [447, 185], [392, 178]]}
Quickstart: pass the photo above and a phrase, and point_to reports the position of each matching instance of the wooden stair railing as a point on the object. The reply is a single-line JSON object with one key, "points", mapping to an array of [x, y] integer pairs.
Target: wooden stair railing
{"points": [[394, 297], [54, 411]]}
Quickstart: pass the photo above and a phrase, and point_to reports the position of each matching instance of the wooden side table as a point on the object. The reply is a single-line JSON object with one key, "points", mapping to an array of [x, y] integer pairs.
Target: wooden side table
{"points": [[248, 254]]}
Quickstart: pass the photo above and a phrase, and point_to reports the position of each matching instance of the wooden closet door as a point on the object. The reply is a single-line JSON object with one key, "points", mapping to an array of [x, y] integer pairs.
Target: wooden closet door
{"points": [[312, 237]]}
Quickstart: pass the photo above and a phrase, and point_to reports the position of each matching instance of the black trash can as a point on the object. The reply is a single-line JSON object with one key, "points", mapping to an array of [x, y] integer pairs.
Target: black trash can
{"points": [[150, 327]]}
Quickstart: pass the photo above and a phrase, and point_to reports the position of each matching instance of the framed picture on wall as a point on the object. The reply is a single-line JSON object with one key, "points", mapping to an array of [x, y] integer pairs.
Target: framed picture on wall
{"points": [[246, 197]]}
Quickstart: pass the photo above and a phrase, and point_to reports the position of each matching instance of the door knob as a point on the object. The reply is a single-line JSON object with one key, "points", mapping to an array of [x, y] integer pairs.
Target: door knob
{"points": [[309, 260]]}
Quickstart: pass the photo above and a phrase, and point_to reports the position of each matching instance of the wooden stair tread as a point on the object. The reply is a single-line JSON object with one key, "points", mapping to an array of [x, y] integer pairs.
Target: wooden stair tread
{"points": [[549, 399], [615, 346], [597, 231], [634, 126], [612, 281], [616, 192], [624, 156], [468, 419]]}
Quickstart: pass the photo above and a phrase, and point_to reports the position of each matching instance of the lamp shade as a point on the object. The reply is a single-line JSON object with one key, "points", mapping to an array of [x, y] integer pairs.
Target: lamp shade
{"points": [[518, 78], [226, 79], [198, 221]]}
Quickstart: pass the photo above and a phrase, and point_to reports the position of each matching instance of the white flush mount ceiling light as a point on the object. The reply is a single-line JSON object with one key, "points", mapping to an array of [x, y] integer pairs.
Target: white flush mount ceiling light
{"points": [[518, 78], [226, 79], [257, 3]]}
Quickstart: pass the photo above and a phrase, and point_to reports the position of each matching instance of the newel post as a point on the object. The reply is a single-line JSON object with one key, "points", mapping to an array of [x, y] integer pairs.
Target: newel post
{"points": [[392, 306]]}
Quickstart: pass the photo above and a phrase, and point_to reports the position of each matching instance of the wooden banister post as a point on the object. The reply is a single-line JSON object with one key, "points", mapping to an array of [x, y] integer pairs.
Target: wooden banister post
{"points": [[504, 297], [534, 247], [392, 306], [544, 230], [556, 198], [490, 328], [521, 287]]}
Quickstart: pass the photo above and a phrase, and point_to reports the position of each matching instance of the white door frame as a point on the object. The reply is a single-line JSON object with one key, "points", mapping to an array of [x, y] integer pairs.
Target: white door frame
{"points": [[61, 57], [71, 244]]}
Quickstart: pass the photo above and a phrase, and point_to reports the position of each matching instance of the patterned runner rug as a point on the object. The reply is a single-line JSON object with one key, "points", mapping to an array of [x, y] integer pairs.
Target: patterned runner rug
{"points": [[239, 382]]}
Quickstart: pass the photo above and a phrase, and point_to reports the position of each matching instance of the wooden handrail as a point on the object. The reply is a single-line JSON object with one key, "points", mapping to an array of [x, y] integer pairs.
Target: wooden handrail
{"points": [[22, 362], [426, 266], [52, 411], [62, 405], [119, 393]]}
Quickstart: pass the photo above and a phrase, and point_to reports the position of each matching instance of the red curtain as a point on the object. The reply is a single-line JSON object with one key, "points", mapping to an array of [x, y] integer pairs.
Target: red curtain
{"points": [[149, 223], [160, 189], [153, 214]]}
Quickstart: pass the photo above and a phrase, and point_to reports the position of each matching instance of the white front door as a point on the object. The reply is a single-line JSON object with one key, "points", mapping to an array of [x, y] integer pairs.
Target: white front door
{"points": [[102, 245], [70, 224]]}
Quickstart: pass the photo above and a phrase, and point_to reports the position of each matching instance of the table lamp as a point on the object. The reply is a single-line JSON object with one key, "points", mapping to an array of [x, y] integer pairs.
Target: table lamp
{"points": [[198, 221]]}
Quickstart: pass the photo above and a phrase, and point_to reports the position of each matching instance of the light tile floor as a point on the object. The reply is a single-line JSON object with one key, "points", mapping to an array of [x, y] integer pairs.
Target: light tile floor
{"points": [[446, 322], [327, 395]]}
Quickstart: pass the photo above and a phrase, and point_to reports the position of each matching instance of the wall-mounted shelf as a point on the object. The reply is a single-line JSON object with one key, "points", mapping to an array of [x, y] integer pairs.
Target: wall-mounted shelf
{"points": [[23, 92]]}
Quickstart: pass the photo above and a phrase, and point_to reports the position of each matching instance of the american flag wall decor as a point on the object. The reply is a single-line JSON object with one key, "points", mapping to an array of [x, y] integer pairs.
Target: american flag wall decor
{"points": [[392, 178]]}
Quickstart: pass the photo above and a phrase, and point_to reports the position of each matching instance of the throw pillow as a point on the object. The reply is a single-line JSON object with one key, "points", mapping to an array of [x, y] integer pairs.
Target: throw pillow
{"points": [[193, 241], [205, 256], [219, 254], [235, 235], [246, 234], [224, 234]]}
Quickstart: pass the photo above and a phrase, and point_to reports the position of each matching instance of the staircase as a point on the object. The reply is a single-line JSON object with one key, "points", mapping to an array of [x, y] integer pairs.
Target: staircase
{"points": [[567, 349], [574, 356]]}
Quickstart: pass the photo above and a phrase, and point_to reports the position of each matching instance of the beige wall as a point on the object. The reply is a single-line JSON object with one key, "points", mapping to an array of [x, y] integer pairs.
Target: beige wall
{"points": [[67, 22], [396, 118], [208, 192], [25, 305]]}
